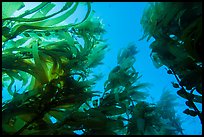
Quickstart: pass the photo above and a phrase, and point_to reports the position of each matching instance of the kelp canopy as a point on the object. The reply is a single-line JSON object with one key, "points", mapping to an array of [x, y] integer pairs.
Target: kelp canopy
{"points": [[47, 50], [59, 59], [177, 30]]}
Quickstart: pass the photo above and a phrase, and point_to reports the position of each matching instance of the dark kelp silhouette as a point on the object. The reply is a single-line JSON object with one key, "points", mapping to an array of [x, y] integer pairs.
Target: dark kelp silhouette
{"points": [[58, 67], [177, 30]]}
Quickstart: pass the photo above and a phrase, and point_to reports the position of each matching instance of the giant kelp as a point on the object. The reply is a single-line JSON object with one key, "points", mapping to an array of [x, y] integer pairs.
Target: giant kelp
{"points": [[177, 30], [40, 48], [56, 60]]}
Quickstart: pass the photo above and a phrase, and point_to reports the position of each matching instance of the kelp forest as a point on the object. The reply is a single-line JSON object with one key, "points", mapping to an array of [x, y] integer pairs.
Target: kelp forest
{"points": [[54, 61]]}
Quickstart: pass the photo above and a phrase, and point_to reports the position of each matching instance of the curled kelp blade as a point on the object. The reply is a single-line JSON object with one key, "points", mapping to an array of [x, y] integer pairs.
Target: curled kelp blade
{"points": [[19, 28], [8, 8], [27, 12]]}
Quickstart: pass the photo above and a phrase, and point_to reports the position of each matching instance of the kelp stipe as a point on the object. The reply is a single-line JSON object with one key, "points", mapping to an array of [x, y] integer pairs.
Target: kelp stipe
{"points": [[177, 45]]}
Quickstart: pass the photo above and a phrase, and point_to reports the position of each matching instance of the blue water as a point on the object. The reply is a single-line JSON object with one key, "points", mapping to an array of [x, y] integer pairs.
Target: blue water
{"points": [[122, 23]]}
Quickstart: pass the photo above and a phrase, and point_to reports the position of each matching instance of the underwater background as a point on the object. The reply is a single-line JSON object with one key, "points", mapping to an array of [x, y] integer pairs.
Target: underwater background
{"points": [[122, 25]]}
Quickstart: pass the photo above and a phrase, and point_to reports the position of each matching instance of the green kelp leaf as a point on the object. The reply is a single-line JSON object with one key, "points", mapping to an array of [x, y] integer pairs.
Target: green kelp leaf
{"points": [[27, 116], [191, 78], [94, 123], [190, 104], [16, 108], [11, 84], [128, 52], [19, 28], [96, 55], [191, 37], [39, 64], [28, 12], [127, 63], [137, 95], [169, 16], [49, 45], [6, 130], [67, 36], [15, 74], [75, 119], [115, 124], [8, 8], [5, 79], [146, 22], [87, 43], [87, 83], [190, 112], [141, 125], [87, 14], [25, 77], [41, 124], [119, 77], [37, 132], [37, 8], [118, 109], [108, 99], [76, 99], [56, 69], [168, 96], [21, 41], [199, 88], [153, 22], [57, 114], [95, 113], [86, 23], [167, 101], [18, 75], [92, 25], [100, 132], [16, 53], [54, 131], [179, 15], [156, 60], [175, 85], [8, 62], [19, 123], [43, 11], [56, 20], [5, 32], [197, 98], [24, 66], [95, 119], [139, 122]]}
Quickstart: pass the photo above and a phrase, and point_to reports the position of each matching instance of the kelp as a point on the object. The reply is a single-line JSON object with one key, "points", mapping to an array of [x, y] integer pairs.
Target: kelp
{"points": [[10, 8], [166, 109], [17, 28], [48, 62], [151, 119], [55, 69], [177, 43], [27, 12]]}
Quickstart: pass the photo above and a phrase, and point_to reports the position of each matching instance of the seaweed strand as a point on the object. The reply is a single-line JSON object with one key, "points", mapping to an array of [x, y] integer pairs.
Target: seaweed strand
{"points": [[188, 97]]}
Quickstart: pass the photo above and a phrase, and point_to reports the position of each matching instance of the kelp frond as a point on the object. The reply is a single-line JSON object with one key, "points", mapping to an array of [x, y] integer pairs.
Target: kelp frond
{"points": [[58, 64]]}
